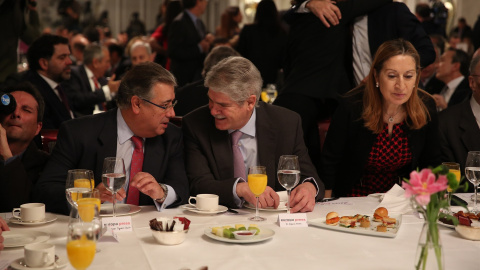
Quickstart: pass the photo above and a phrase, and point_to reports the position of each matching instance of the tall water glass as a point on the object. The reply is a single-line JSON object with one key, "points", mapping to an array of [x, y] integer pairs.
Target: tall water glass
{"points": [[288, 174], [472, 172], [113, 177]]}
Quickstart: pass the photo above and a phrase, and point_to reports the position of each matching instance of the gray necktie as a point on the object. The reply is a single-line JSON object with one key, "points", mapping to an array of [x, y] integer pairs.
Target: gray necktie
{"points": [[200, 28], [238, 162]]}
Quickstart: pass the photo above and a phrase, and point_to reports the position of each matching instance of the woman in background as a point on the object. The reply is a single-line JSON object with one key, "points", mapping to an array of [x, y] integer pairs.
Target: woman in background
{"points": [[229, 25], [383, 129]]}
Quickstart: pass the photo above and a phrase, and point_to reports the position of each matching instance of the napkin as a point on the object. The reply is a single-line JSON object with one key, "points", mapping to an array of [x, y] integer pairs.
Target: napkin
{"points": [[395, 201]]}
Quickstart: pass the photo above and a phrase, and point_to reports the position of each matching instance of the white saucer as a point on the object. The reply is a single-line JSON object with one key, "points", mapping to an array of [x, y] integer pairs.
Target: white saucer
{"points": [[21, 238], [122, 209], [281, 207], [49, 217], [20, 264], [219, 210]]}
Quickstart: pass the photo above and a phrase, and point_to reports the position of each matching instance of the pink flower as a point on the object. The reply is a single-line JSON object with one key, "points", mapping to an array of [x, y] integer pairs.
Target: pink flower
{"points": [[422, 185]]}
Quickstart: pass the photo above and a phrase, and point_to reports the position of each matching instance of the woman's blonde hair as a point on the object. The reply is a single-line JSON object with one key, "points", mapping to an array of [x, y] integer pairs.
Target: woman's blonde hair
{"points": [[417, 112]]}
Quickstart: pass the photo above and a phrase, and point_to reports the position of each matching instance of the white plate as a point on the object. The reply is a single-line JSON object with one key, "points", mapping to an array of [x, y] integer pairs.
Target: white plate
{"points": [[219, 210], [122, 209], [281, 207], [49, 217], [446, 225], [372, 230], [264, 234], [20, 264], [21, 238]]}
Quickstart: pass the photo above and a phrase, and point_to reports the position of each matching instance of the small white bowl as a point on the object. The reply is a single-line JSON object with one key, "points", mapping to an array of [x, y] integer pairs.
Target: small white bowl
{"points": [[244, 235], [170, 238], [467, 232]]}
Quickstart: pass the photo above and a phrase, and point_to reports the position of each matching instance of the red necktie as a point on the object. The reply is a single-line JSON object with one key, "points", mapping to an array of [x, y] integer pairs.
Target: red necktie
{"points": [[102, 105], [63, 97], [135, 167], [95, 82]]}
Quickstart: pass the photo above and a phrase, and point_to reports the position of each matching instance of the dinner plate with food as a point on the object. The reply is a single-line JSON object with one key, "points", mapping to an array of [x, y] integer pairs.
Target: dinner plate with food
{"points": [[464, 218], [239, 233], [379, 224]]}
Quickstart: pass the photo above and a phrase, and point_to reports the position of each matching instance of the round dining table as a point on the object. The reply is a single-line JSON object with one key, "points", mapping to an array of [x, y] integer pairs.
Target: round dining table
{"points": [[309, 247]]}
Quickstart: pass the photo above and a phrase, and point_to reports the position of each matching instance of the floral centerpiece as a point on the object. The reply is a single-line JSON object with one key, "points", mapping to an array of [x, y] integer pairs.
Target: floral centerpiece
{"points": [[427, 189]]}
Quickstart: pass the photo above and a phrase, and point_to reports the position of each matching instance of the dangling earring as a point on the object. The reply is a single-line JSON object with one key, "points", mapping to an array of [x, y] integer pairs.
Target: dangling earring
{"points": [[376, 85]]}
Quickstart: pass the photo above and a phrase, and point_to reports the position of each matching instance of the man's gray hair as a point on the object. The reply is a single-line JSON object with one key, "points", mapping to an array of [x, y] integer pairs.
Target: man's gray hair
{"points": [[92, 51], [473, 64], [236, 77], [216, 55], [139, 81], [141, 43]]}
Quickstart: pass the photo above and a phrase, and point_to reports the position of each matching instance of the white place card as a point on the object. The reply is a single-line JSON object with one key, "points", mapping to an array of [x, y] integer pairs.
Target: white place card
{"points": [[118, 224], [108, 236], [293, 220]]}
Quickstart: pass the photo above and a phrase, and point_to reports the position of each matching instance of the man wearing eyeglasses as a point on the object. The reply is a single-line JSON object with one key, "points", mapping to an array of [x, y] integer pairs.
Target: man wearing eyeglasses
{"points": [[460, 124], [138, 131]]}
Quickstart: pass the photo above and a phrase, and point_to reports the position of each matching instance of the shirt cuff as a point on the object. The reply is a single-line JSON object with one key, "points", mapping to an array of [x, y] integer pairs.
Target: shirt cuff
{"points": [[237, 200], [313, 181], [171, 198], [107, 93], [303, 8]]}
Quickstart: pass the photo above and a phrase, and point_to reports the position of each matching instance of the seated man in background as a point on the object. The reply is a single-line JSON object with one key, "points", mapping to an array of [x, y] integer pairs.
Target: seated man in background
{"points": [[460, 124], [266, 132], [140, 126], [88, 88], [140, 52], [21, 162]]}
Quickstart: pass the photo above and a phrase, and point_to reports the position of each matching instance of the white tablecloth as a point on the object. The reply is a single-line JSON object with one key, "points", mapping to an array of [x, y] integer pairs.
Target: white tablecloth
{"points": [[290, 248]]}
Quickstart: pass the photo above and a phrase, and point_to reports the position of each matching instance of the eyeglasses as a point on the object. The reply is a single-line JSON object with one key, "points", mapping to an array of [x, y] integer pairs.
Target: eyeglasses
{"points": [[162, 107]]}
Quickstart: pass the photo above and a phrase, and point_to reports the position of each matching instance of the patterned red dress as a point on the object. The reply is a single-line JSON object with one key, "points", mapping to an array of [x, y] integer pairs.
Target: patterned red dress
{"points": [[386, 157]]}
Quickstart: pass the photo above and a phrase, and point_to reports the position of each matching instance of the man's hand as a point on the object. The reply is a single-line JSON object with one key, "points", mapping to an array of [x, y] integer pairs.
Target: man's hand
{"points": [[106, 195], [147, 184], [113, 85], [3, 227], [302, 198], [205, 45], [5, 151], [269, 197], [326, 11], [440, 101]]}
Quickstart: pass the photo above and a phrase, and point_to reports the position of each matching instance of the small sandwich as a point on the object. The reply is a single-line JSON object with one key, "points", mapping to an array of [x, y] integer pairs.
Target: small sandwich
{"points": [[381, 228], [380, 213], [332, 218], [389, 222], [365, 222], [347, 221]]}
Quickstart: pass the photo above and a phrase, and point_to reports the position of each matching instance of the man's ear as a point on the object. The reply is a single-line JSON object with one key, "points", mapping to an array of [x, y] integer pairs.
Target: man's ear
{"points": [[135, 104], [43, 63], [456, 66], [39, 127], [251, 101]]}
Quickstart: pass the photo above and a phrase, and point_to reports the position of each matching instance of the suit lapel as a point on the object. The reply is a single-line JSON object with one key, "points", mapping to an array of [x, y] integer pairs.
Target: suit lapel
{"points": [[222, 152], [266, 144], [107, 140]]}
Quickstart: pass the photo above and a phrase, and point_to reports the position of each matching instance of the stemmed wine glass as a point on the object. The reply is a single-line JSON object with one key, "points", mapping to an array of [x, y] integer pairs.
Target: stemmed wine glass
{"points": [[257, 182], [113, 177], [83, 231], [79, 183], [472, 172], [288, 174], [454, 168]]}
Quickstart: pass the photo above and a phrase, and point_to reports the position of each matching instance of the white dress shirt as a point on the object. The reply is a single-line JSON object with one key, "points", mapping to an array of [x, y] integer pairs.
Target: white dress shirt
{"points": [[452, 86], [105, 89], [362, 57], [475, 109]]}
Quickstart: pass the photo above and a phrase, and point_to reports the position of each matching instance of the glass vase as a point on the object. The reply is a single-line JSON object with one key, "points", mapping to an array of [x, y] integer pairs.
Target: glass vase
{"points": [[429, 251]]}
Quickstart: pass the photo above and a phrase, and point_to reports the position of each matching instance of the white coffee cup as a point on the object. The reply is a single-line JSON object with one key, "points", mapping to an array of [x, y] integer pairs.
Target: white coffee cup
{"points": [[39, 254], [205, 202], [30, 212]]}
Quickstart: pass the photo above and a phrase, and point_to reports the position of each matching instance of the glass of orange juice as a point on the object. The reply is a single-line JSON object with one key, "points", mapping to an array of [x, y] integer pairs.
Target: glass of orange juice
{"points": [[454, 168], [79, 183], [83, 231], [257, 182], [91, 197]]}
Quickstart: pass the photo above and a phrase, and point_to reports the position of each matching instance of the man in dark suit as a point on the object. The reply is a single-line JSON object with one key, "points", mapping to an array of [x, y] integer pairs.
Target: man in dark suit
{"points": [[21, 162], [452, 70], [188, 42], [145, 100], [49, 62], [88, 88], [428, 80], [218, 163], [460, 124], [194, 95]]}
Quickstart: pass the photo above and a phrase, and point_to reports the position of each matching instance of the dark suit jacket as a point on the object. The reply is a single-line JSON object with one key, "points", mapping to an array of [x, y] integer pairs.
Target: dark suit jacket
{"points": [[19, 177], [86, 141], [81, 93], [396, 21], [462, 92], [459, 133], [186, 57], [209, 156], [349, 142], [315, 63], [55, 112], [190, 97], [433, 86]]}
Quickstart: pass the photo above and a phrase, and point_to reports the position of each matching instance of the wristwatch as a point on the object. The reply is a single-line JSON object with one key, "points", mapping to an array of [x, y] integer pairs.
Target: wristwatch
{"points": [[165, 193]]}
